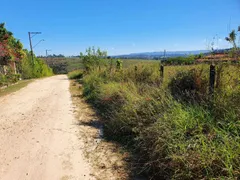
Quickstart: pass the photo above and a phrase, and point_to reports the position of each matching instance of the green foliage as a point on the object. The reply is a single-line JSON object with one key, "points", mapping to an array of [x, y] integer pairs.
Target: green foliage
{"points": [[14, 59], [119, 65], [78, 74], [6, 80], [93, 59], [181, 60], [34, 69], [174, 135], [11, 49], [190, 86], [232, 38]]}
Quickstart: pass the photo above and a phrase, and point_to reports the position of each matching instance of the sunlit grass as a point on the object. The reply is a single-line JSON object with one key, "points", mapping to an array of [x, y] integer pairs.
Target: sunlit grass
{"points": [[13, 88]]}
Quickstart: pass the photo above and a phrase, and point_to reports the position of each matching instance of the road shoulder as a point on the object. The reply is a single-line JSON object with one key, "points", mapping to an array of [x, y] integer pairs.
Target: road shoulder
{"points": [[106, 158]]}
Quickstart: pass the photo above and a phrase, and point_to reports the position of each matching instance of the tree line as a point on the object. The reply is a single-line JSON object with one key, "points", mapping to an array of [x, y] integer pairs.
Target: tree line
{"points": [[16, 62]]}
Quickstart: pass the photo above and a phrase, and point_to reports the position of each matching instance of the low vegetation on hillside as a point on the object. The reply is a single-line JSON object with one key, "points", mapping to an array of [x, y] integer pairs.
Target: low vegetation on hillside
{"points": [[175, 127]]}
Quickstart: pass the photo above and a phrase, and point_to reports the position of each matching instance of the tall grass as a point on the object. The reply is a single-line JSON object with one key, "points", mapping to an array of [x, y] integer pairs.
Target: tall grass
{"points": [[176, 130], [77, 74]]}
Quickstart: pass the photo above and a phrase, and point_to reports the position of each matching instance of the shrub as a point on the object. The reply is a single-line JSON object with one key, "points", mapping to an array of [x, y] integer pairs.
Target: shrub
{"points": [[190, 86], [142, 74], [8, 79], [34, 69], [78, 74], [13, 78], [3, 80]]}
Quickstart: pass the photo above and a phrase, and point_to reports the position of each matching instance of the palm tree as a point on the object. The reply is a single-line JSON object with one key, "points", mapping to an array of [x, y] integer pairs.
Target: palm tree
{"points": [[232, 38]]}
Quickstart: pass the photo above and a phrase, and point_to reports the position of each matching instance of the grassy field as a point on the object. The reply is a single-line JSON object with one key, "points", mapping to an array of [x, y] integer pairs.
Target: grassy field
{"points": [[15, 87], [65, 65], [131, 62], [175, 128]]}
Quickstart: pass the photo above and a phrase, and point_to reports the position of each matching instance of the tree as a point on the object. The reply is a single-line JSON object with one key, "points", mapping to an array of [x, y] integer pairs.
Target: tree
{"points": [[11, 49], [232, 39], [93, 58]]}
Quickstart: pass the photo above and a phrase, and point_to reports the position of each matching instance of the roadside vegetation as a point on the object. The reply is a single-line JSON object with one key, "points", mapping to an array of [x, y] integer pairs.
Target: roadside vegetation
{"points": [[77, 74], [16, 63], [63, 65], [174, 127], [15, 87]]}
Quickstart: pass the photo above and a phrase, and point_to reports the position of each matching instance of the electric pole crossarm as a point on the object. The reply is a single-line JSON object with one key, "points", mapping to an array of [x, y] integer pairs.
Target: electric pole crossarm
{"points": [[35, 33]]}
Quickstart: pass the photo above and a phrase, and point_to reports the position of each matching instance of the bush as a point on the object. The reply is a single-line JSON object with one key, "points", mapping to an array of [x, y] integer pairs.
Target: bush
{"points": [[78, 74], [190, 86], [36, 69], [3, 80], [13, 78], [8, 79]]}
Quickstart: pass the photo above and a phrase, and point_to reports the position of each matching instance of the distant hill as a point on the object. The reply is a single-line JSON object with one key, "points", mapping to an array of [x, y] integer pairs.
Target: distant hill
{"points": [[154, 55]]}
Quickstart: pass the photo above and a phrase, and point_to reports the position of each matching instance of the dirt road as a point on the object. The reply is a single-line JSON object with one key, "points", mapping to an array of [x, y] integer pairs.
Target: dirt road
{"points": [[38, 134]]}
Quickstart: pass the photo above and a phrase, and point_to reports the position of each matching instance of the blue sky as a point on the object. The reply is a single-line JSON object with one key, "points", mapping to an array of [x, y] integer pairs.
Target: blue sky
{"points": [[121, 26]]}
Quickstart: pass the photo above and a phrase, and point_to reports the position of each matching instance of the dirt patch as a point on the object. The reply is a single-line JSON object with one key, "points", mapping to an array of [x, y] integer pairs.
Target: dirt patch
{"points": [[106, 158]]}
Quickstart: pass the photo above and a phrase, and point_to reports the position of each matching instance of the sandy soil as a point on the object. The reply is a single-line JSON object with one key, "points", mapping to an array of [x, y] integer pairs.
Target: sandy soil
{"points": [[108, 160], [39, 137]]}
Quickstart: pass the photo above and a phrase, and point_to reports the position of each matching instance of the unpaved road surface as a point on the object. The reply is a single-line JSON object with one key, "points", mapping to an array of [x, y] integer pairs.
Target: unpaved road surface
{"points": [[38, 134]]}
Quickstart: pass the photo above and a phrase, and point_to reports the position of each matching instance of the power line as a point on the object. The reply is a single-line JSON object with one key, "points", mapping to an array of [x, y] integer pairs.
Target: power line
{"points": [[38, 43]]}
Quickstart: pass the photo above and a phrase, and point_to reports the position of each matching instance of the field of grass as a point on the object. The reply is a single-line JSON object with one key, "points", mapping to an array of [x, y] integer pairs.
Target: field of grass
{"points": [[174, 128], [131, 62], [65, 65], [13, 88]]}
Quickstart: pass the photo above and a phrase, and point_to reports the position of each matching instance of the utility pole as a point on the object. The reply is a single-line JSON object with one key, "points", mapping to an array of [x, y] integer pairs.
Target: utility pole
{"points": [[47, 50], [30, 41], [164, 54]]}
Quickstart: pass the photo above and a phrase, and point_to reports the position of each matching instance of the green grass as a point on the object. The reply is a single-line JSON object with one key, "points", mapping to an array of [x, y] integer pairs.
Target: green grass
{"points": [[132, 62], [15, 87], [77, 74], [175, 128], [66, 65]]}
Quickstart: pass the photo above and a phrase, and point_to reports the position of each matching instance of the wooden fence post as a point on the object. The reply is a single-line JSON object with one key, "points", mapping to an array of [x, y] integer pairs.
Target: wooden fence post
{"points": [[161, 73], [136, 72], [212, 80]]}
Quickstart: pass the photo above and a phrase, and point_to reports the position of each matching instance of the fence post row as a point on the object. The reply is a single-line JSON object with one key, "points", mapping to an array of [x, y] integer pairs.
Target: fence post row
{"points": [[212, 80]]}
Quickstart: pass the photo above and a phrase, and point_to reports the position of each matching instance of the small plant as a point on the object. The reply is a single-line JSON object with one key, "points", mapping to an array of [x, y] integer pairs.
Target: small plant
{"points": [[119, 65]]}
